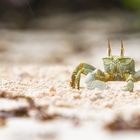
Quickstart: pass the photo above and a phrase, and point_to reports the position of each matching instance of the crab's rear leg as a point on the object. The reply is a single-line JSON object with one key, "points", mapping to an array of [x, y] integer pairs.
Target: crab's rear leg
{"points": [[82, 68]]}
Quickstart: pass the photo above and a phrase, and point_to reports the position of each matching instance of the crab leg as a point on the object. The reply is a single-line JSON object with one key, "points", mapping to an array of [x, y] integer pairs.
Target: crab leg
{"points": [[130, 83], [131, 79], [82, 68]]}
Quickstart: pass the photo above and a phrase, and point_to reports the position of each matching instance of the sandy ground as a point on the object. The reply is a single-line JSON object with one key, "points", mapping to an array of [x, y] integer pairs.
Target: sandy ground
{"points": [[36, 101]]}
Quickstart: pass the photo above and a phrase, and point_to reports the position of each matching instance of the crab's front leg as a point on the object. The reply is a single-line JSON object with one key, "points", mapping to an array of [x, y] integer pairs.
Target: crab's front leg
{"points": [[82, 68], [96, 79], [130, 83]]}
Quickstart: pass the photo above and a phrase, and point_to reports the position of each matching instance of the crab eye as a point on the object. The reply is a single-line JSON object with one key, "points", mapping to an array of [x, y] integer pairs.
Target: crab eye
{"points": [[107, 61], [125, 61]]}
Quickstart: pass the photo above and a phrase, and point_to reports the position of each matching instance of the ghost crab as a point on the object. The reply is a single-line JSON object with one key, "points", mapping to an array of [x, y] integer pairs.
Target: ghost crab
{"points": [[117, 68]]}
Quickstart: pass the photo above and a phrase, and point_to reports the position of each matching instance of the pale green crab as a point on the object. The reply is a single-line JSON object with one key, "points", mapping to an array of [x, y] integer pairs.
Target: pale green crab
{"points": [[117, 68]]}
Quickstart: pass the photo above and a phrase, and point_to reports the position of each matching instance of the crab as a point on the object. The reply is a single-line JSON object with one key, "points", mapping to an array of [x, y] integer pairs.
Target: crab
{"points": [[116, 68]]}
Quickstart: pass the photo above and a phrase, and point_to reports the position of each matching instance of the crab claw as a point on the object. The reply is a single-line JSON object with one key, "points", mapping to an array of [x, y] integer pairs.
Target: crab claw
{"points": [[92, 83]]}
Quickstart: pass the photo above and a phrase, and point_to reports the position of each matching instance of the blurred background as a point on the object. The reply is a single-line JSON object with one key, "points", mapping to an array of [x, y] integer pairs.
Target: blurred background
{"points": [[67, 31]]}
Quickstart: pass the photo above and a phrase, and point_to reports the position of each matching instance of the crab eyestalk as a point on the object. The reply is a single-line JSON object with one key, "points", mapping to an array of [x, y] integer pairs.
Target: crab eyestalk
{"points": [[109, 48], [122, 49]]}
